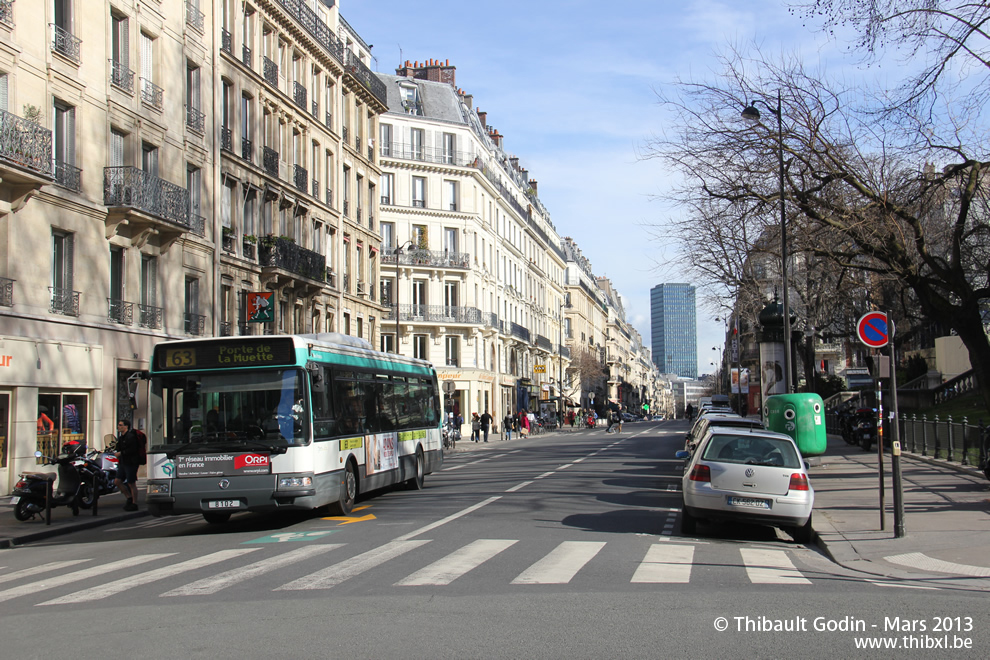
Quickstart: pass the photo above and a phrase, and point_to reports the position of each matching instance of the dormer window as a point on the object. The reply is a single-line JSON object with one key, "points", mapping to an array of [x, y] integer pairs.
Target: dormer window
{"points": [[410, 98]]}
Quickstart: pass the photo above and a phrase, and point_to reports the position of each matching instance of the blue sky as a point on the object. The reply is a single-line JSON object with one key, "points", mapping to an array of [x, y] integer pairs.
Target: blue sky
{"points": [[571, 85]]}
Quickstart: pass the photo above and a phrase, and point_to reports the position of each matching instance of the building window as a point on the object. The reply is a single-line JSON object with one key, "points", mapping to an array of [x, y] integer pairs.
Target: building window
{"points": [[388, 343], [419, 191], [419, 347], [388, 236], [388, 187], [149, 159], [450, 192], [449, 145], [452, 353], [385, 137], [151, 94], [120, 58], [66, 173], [64, 299], [193, 320], [195, 117], [416, 140], [194, 184]]}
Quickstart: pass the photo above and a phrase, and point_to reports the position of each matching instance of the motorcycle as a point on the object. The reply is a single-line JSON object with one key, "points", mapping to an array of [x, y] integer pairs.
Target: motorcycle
{"points": [[31, 489], [451, 434], [99, 468], [865, 429]]}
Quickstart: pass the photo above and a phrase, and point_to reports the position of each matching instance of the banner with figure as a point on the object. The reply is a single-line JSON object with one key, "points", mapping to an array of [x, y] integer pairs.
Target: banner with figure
{"points": [[260, 307], [740, 385]]}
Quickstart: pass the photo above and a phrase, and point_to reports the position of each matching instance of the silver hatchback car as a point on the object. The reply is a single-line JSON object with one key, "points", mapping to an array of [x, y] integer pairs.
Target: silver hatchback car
{"points": [[751, 476]]}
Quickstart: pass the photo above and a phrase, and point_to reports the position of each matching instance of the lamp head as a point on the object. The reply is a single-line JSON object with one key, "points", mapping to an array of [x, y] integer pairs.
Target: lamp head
{"points": [[750, 113]]}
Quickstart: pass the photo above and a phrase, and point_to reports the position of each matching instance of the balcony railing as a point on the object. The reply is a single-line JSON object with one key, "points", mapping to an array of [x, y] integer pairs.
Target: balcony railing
{"points": [[195, 119], [544, 343], [227, 242], [64, 43], [246, 56], [328, 120], [121, 77], [564, 352], [151, 94], [247, 150], [329, 196], [347, 207], [435, 314], [120, 311], [25, 143], [386, 199], [431, 258], [195, 324], [226, 41], [278, 252], [194, 17], [197, 224], [68, 176], [270, 71], [249, 250], [344, 132], [226, 138], [132, 187], [64, 301], [150, 316], [316, 108], [518, 331], [226, 328], [299, 95], [270, 161], [316, 188], [300, 177], [315, 26], [360, 71], [6, 291]]}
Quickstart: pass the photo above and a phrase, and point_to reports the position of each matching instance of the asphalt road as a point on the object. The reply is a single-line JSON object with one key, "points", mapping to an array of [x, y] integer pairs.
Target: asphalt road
{"points": [[560, 546]]}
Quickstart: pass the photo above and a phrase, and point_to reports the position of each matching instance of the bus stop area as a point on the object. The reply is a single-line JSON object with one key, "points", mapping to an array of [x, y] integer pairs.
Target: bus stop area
{"points": [[947, 515]]}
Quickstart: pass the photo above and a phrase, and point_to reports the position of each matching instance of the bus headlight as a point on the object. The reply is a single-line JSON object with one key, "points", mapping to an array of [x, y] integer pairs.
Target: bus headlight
{"points": [[295, 482], [159, 487]]}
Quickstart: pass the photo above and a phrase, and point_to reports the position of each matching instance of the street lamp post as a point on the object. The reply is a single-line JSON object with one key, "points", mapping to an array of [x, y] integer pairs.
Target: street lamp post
{"points": [[718, 370], [750, 113], [398, 251]]}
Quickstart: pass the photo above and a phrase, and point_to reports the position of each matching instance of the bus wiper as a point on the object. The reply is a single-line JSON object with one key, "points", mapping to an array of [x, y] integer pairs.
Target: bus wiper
{"points": [[226, 445]]}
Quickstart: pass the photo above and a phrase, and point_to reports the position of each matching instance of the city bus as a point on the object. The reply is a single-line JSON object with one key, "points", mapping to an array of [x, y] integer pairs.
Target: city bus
{"points": [[262, 423]]}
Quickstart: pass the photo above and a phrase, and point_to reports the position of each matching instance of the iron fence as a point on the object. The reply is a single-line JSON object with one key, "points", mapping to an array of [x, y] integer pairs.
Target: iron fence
{"points": [[150, 316], [300, 177], [269, 71], [226, 138], [360, 71], [226, 41], [6, 291], [518, 331], [431, 258], [435, 314], [121, 76], [278, 252], [226, 328], [25, 143], [151, 94], [68, 176], [64, 301], [65, 43], [247, 149], [132, 187], [315, 26], [195, 324], [7, 11], [246, 55], [299, 95], [194, 17], [270, 161], [120, 311], [195, 119]]}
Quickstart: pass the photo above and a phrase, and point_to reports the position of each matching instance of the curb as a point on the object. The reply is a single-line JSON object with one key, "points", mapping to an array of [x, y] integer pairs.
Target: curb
{"points": [[13, 541]]}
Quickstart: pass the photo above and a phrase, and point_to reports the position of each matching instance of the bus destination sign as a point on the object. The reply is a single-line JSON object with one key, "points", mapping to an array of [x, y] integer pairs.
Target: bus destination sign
{"points": [[226, 354]]}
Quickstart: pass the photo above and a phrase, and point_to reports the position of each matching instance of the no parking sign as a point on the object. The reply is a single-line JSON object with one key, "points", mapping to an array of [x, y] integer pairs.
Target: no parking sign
{"points": [[873, 330]]}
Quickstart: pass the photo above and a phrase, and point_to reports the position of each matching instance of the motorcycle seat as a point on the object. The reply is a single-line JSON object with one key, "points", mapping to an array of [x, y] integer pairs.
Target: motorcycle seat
{"points": [[50, 476]]}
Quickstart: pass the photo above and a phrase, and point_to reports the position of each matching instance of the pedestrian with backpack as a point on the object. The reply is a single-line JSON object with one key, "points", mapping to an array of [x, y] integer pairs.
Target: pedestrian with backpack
{"points": [[128, 460]]}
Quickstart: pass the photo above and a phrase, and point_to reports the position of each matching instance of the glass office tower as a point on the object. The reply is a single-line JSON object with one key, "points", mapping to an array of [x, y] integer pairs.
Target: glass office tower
{"points": [[674, 329]]}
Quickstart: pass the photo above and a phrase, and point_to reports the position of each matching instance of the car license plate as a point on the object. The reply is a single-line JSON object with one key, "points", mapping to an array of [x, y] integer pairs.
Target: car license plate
{"points": [[15, 499], [750, 502], [223, 504]]}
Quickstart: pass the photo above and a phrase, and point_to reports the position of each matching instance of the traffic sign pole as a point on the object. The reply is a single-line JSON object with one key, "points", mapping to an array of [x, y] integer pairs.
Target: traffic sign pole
{"points": [[895, 445]]}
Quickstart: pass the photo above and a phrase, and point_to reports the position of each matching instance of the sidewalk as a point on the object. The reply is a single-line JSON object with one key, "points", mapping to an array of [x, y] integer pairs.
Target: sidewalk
{"points": [[946, 514]]}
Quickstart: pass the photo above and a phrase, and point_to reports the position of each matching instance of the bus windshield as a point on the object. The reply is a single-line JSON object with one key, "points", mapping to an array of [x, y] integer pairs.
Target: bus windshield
{"points": [[227, 410]]}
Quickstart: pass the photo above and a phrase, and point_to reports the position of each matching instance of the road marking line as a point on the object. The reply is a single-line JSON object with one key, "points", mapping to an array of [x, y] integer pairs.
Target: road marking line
{"points": [[450, 518], [901, 586], [518, 486], [923, 562], [564, 467], [34, 570], [86, 573], [334, 575], [771, 567], [561, 564], [117, 586], [213, 584], [545, 474], [665, 564], [446, 570]]}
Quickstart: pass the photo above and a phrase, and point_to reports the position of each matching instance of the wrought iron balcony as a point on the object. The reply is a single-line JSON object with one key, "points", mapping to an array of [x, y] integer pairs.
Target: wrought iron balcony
{"points": [[316, 108], [359, 215], [134, 188], [120, 311], [227, 138], [68, 176], [226, 41], [431, 258], [270, 159], [489, 319], [26, 144], [329, 196], [371, 220], [386, 200], [194, 17], [328, 120], [246, 56], [227, 241], [249, 250], [312, 23], [197, 224], [64, 301], [347, 207], [544, 343], [344, 132], [226, 328], [564, 351], [434, 314], [357, 142], [247, 149], [121, 77], [299, 95], [64, 43], [300, 177], [150, 316], [7, 12], [151, 94], [422, 153], [195, 119], [269, 70], [195, 324], [6, 291], [316, 188], [281, 253], [518, 331], [360, 72]]}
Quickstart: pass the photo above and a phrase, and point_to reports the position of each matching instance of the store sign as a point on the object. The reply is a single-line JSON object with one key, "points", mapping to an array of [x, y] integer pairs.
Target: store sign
{"points": [[222, 465]]}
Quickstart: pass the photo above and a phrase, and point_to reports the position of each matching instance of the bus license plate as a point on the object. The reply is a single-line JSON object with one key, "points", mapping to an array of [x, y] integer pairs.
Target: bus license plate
{"points": [[750, 502], [223, 504]]}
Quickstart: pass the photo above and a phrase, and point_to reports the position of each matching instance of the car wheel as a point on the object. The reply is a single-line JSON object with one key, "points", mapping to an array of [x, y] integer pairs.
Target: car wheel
{"points": [[803, 534], [689, 524]]}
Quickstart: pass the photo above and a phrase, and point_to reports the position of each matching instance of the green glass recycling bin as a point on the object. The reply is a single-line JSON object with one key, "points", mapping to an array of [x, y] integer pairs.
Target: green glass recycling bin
{"points": [[801, 416]]}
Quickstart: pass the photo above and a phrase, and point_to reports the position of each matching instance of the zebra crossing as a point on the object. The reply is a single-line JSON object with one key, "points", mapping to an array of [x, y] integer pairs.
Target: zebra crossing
{"points": [[666, 562]]}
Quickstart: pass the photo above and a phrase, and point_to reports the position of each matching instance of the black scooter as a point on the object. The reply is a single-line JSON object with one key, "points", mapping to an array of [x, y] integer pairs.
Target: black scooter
{"points": [[31, 491]]}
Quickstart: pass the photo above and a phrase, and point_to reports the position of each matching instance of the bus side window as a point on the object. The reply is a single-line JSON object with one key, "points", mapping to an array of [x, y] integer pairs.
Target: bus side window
{"points": [[350, 404], [324, 420]]}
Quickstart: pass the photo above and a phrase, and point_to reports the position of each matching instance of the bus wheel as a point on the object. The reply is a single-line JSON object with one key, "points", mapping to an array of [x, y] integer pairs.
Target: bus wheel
{"points": [[215, 518], [416, 483], [348, 493]]}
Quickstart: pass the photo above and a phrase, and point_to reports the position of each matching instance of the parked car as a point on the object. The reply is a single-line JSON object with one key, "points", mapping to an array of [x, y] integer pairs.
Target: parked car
{"points": [[706, 421], [747, 476]]}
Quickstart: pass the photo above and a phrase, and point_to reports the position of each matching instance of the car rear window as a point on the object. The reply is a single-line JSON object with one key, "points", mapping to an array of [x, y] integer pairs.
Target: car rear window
{"points": [[751, 449]]}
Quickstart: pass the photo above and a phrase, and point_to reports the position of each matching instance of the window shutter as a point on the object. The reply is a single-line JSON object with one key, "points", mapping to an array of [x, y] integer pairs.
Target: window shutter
{"points": [[69, 147], [153, 282], [225, 206], [69, 243], [3, 92], [116, 149], [147, 65], [194, 296], [194, 93]]}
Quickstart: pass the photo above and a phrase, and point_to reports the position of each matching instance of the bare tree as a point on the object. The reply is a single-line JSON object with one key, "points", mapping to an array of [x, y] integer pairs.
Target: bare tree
{"points": [[885, 199], [586, 368]]}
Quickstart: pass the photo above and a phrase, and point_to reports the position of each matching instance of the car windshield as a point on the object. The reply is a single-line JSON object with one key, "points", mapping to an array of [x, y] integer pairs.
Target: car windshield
{"points": [[250, 409], [752, 450]]}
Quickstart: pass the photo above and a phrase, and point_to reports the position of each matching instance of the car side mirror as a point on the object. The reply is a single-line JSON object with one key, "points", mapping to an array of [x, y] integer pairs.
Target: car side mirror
{"points": [[683, 455]]}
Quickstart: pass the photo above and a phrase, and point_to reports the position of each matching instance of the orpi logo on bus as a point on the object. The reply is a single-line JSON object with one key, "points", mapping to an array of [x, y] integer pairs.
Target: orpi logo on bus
{"points": [[872, 329]]}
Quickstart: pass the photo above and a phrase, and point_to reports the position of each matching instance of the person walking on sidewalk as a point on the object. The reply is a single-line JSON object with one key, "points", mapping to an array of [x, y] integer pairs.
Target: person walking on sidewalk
{"points": [[618, 420], [475, 427], [507, 425], [611, 421], [486, 423], [128, 459]]}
